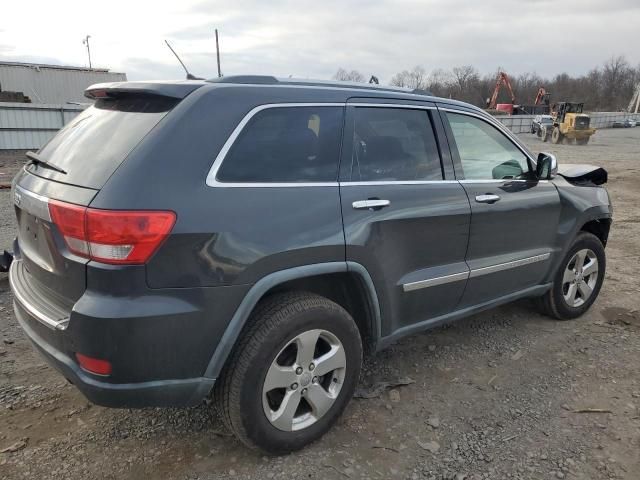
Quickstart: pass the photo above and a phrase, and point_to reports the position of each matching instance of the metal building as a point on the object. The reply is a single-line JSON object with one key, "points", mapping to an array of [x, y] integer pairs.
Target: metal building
{"points": [[53, 84]]}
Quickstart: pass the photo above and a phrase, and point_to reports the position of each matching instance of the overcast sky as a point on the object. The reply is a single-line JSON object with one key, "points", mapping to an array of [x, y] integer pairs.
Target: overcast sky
{"points": [[313, 39]]}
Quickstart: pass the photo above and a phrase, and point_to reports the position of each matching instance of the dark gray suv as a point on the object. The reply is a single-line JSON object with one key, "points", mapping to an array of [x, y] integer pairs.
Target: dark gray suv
{"points": [[250, 238]]}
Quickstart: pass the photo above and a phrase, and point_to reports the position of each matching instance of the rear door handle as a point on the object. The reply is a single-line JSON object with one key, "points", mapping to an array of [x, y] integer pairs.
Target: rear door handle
{"points": [[487, 198], [373, 204]]}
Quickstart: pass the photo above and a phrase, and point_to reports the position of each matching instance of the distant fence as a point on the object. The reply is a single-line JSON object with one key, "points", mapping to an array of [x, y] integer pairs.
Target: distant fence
{"points": [[31, 125], [522, 123]]}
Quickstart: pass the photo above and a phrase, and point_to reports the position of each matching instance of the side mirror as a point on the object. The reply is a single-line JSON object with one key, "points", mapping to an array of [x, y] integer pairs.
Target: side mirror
{"points": [[546, 166]]}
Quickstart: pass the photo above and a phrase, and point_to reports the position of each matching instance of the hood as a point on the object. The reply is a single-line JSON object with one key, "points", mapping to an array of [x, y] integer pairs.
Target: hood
{"points": [[583, 174]]}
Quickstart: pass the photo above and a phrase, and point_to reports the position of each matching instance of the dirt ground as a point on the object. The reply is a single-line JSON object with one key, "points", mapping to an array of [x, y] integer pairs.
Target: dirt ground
{"points": [[506, 394]]}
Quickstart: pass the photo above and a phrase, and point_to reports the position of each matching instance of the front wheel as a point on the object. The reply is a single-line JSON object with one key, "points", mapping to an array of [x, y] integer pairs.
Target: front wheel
{"points": [[578, 281], [556, 136], [292, 374]]}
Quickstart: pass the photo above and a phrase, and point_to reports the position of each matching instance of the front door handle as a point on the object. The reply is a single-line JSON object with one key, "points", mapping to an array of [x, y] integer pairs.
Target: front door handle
{"points": [[487, 198], [373, 204]]}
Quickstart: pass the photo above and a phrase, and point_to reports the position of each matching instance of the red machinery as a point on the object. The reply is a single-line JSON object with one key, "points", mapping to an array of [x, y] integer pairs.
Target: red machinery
{"points": [[503, 79], [542, 98]]}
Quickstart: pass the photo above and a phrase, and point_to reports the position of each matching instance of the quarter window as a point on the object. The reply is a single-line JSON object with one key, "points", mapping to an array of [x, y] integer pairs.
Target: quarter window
{"points": [[286, 144], [394, 144], [485, 152]]}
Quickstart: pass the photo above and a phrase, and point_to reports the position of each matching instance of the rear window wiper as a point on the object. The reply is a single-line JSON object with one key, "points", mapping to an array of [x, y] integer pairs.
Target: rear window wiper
{"points": [[38, 160]]}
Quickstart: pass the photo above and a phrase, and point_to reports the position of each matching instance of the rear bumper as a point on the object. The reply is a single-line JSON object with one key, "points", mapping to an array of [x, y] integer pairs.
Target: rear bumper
{"points": [[159, 342], [158, 393]]}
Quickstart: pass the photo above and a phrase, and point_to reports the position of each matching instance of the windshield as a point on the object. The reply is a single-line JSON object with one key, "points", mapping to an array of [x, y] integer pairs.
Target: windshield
{"points": [[92, 146]]}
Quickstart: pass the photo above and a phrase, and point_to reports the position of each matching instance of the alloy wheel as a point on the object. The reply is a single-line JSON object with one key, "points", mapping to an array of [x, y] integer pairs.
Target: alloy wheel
{"points": [[580, 278], [304, 380]]}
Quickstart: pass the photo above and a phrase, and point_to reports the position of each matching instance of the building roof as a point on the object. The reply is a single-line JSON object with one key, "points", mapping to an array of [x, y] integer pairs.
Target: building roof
{"points": [[55, 67]]}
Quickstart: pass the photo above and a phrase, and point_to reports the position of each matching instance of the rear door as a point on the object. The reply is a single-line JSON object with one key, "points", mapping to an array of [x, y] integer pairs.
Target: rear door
{"points": [[514, 216], [406, 219]]}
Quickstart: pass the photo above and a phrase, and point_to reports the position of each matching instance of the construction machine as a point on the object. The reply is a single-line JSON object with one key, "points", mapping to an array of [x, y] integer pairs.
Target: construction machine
{"points": [[569, 123], [503, 79], [542, 98]]}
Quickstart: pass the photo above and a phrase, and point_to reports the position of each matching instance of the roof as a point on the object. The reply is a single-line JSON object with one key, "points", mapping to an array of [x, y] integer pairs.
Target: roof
{"points": [[182, 88], [55, 67]]}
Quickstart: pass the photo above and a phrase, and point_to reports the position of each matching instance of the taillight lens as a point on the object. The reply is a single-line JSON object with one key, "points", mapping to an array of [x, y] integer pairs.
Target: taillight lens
{"points": [[94, 365], [111, 236]]}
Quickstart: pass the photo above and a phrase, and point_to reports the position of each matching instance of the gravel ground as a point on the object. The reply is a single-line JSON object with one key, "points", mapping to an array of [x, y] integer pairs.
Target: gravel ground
{"points": [[506, 394]]}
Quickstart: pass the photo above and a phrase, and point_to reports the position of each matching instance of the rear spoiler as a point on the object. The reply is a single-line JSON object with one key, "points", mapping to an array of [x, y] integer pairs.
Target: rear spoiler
{"points": [[176, 89]]}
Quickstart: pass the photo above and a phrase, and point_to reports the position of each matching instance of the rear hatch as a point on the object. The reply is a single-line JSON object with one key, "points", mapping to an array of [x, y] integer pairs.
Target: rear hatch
{"points": [[50, 195]]}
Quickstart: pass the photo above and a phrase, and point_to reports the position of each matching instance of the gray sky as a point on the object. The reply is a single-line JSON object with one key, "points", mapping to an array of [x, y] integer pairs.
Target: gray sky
{"points": [[312, 39]]}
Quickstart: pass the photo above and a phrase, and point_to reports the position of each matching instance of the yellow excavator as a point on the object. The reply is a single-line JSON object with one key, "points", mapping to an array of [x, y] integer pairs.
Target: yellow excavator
{"points": [[569, 123]]}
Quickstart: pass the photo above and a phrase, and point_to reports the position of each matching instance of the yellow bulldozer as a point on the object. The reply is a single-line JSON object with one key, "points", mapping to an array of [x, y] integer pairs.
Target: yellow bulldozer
{"points": [[569, 123]]}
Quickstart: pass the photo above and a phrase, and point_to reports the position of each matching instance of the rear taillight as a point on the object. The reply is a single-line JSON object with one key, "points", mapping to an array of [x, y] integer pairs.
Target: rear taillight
{"points": [[111, 236]]}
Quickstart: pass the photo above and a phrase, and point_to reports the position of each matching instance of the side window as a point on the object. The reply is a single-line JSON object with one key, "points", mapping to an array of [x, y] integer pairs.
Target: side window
{"points": [[485, 152], [286, 144], [394, 144]]}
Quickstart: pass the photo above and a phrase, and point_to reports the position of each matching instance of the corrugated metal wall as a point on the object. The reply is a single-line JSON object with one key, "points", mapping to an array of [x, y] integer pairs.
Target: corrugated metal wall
{"points": [[51, 85], [29, 126]]}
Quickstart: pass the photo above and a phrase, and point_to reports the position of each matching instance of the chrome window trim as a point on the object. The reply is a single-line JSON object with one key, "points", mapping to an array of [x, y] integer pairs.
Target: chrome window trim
{"points": [[212, 181], [396, 182], [408, 106], [497, 124], [477, 272], [31, 202]]}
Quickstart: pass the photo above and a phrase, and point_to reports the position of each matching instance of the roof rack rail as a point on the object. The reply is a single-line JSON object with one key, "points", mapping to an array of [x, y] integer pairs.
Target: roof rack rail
{"points": [[271, 80], [240, 79]]}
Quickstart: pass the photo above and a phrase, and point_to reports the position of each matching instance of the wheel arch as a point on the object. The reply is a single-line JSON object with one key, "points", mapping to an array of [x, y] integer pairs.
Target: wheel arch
{"points": [[346, 283], [599, 227]]}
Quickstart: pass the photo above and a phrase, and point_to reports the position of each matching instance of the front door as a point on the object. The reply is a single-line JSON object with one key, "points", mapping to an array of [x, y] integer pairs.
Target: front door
{"points": [[406, 219], [514, 216]]}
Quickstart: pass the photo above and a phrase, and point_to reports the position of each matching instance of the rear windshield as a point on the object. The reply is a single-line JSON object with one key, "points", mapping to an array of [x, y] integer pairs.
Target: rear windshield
{"points": [[92, 146]]}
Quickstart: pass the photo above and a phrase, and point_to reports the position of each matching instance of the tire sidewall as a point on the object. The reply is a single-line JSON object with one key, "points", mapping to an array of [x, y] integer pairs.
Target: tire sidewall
{"points": [[255, 423], [591, 242]]}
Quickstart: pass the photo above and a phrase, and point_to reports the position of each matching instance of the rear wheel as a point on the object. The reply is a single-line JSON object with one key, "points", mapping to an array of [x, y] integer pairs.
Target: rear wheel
{"points": [[578, 280], [292, 374], [556, 136], [582, 141]]}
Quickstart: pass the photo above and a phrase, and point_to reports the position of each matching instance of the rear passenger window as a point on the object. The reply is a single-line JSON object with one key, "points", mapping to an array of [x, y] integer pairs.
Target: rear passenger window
{"points": [[394, 144], [286, 144]]}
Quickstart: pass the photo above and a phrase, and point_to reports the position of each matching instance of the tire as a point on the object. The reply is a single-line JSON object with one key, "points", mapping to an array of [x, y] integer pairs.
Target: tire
{"points": [[556, 136], [582, 141], [242, 396], [554, 303], [545, 134]]}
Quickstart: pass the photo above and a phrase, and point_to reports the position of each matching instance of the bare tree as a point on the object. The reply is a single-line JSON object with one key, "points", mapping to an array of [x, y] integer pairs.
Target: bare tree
{"points": [[346, 76], [416, 78], [604, 88]]}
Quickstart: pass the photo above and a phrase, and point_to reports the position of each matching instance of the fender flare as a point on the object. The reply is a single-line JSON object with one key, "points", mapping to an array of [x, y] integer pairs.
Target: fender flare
{"points": [[262, 286]]}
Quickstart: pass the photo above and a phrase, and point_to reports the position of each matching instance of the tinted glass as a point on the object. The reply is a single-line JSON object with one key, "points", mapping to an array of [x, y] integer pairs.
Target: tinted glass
{"points": [[485, 152], [95, 143], [394, 144], [286, 144]]}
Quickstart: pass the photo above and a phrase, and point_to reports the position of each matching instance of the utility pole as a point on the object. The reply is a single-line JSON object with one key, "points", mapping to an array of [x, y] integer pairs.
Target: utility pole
{"points": [[85, 41], [218, 54]]}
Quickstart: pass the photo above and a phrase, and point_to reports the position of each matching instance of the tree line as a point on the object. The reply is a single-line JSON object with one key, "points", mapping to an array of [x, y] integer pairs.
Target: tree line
{"points": [[608, 87]]}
